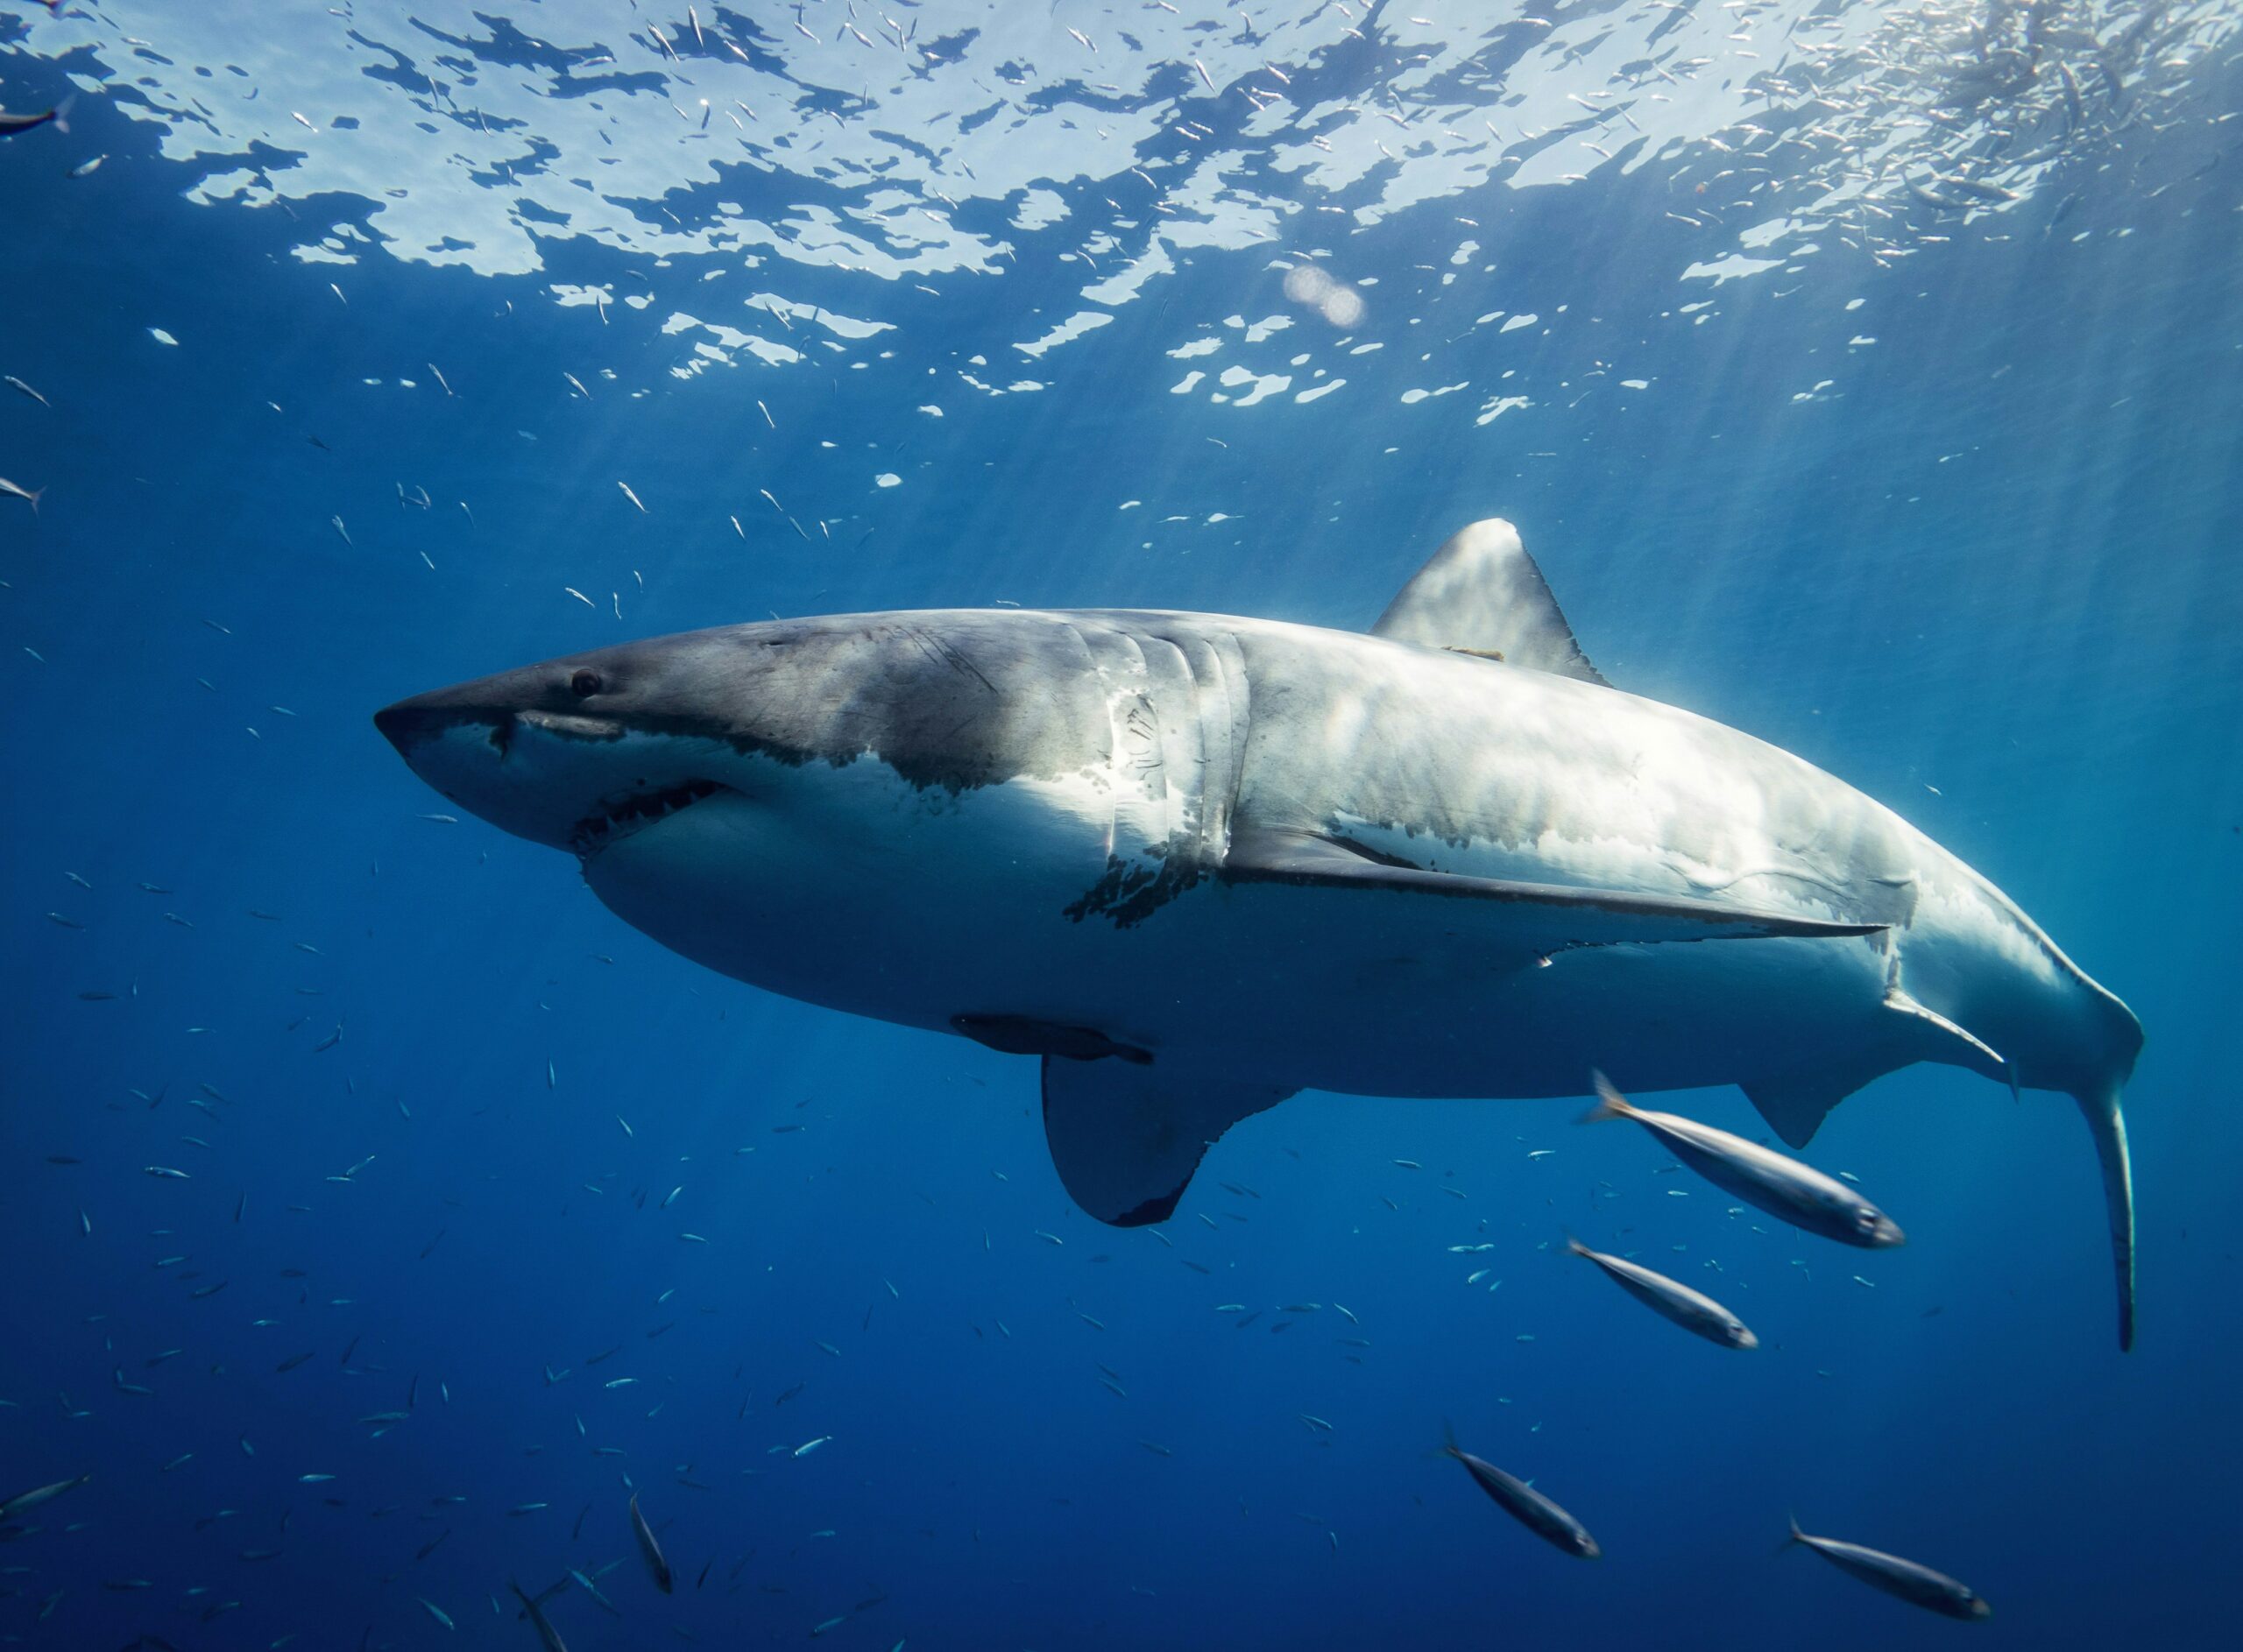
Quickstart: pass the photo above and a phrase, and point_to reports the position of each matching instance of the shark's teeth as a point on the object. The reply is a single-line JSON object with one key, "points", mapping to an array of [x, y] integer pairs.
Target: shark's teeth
{"points": [[620, 818]]}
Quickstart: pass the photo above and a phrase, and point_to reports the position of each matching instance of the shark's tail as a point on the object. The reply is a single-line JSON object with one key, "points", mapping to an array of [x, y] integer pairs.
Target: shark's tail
{"points": [[2106, 1122], [1795, 1539]]}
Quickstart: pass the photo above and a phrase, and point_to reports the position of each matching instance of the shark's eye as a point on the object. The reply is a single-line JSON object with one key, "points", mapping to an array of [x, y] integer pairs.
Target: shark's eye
{"points": [[585, 683]]}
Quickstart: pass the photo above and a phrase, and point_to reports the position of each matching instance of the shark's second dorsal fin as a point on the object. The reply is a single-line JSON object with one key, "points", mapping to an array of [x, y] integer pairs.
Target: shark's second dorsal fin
{"points": [[1481, 593]]}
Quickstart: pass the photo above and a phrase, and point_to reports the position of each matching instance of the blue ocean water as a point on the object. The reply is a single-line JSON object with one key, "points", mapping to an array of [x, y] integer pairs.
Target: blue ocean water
{"points": [[1869, 378]]}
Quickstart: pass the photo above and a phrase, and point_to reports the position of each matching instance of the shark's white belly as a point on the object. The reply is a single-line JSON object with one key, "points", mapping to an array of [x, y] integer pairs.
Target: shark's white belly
{"points": [[859, 893]]}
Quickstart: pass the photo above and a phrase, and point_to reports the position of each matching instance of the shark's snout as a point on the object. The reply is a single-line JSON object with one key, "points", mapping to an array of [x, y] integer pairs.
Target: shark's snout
{"points": [[413, 722], [405, 726], [460, 740], [547, 754]]}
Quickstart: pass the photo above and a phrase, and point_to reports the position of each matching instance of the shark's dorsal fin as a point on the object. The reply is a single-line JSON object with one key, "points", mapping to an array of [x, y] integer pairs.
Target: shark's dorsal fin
{"points": [[1481, 593], [1126, 1137]]}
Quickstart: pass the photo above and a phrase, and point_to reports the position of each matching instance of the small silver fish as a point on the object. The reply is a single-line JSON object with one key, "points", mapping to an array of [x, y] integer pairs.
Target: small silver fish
{"points": [[1525, 1505], [549, 1636], [591, 1589], [1688, 1308], [1981, 191], [23, 1502], [1783, 1188], [649, 1550], [1904, 1579], [11, 124], [2073, 105]]}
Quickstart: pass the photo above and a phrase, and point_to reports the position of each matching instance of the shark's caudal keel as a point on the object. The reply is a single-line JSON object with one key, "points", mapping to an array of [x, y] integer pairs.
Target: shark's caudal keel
{"points": [[1196, 862]]}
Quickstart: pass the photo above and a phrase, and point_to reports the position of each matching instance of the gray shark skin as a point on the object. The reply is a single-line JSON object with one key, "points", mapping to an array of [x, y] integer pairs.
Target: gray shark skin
{"points": [[1196, 862]]}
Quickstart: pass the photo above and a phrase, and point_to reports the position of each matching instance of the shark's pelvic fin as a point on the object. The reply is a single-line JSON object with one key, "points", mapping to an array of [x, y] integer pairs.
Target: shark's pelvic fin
{"points": [[2106, 1122], [1795, 1103], [1126, 1139], [1481, 593], [1529, 918]]}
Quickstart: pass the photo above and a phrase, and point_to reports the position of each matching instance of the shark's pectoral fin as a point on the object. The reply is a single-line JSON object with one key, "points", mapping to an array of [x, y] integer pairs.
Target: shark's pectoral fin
{"points": [[1481, 593], [2106, 1122], [1126, 1139], [1530, 919]]}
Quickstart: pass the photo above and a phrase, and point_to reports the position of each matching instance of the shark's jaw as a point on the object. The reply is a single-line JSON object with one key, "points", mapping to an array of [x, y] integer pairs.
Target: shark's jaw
{"points": [[578, 783], [614, 820]]}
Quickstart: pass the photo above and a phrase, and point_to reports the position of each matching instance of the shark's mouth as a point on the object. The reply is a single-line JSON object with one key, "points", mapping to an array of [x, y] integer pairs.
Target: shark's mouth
{"points": [[619, 819]]}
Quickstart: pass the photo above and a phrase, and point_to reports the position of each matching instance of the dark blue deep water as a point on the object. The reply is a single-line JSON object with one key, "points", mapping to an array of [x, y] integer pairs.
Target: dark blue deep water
{"points": [[1882, 396]]}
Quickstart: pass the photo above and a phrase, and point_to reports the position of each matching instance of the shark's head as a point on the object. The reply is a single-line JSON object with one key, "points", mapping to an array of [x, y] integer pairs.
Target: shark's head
{"points": [[583, 752], [588, 751], [730, 792]]}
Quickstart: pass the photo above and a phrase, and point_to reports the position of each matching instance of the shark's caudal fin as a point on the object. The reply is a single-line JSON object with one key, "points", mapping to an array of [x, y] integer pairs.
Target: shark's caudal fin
{"points": [[2106, 1122], [1481, 593], [1126, 1138]]}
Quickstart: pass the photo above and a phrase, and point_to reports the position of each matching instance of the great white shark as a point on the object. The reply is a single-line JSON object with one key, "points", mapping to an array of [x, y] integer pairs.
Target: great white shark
{"points": [[1196, 862]]}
